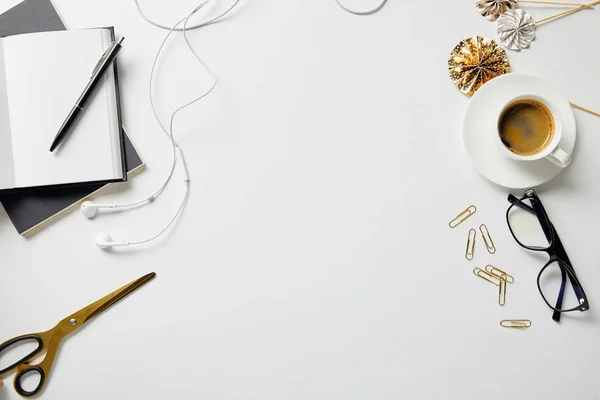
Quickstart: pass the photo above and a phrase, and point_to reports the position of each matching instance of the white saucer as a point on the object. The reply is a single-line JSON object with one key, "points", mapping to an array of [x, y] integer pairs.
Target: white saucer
{"points": [[479, 131]]}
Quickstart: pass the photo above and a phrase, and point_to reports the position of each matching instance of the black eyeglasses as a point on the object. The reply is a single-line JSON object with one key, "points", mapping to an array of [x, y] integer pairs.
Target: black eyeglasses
{"points": [[557, 282]]}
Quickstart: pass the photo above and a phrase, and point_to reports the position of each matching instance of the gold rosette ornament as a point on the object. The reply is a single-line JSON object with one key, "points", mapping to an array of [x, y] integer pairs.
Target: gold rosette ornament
{"points": [[475, 61], [492, 9]]}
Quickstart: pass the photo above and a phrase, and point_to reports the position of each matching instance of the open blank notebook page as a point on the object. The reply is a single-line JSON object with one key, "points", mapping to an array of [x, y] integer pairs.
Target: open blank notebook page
{"points": [[41, 77]]}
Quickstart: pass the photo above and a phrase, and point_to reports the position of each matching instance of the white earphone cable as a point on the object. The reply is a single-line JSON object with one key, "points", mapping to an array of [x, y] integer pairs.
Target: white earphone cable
{"points": [[187, 194], [169, 131], [200, 25], [366, 12]]}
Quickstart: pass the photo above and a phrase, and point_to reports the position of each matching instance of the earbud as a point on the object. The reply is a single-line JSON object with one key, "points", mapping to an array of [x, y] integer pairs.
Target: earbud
{"points": [[90, 209], [104, 241]]}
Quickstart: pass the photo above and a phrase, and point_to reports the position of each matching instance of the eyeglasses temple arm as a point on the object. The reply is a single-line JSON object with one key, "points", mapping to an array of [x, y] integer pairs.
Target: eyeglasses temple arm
{"points": [[576, 285], [561, 293], [576, 288], [513, 199]]}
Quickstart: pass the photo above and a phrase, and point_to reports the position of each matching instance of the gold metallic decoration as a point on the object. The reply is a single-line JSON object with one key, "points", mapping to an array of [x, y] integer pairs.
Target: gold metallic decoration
{"points": [[492, 9], [515, 323], [475, 61], [48, 342], [469, 74], [470, 251], [499, 273], [516, 29], [487, 238], [502, 291], [464, 214], [486, 276]]}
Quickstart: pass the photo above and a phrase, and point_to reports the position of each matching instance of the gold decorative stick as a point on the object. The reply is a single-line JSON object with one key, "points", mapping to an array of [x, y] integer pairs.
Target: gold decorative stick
{"points": [[585, 109], [565, 13], [554, 3], [493, 9]]}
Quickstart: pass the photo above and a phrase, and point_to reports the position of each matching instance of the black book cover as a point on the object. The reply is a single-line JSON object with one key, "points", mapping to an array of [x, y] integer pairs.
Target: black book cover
{"points": [[30, 209]]}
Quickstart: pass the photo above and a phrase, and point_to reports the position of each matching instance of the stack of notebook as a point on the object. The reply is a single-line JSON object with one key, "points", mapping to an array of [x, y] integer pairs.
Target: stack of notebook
{"points": [[43, 69]]}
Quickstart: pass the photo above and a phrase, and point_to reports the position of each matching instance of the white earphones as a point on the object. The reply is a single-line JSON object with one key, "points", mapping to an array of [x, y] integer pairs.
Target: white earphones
{"points": [[89, 209]]}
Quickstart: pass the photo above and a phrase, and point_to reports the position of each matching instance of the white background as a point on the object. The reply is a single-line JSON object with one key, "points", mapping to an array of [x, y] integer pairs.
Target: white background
{"points": [[314, 260]]}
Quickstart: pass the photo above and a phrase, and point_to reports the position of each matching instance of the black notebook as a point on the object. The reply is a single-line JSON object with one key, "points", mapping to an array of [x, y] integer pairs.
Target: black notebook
{"points": [[31, 209]]}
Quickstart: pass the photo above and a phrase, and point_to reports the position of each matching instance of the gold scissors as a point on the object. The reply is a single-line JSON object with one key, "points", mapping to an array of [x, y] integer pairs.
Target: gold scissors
{"points": [[48, 342]]}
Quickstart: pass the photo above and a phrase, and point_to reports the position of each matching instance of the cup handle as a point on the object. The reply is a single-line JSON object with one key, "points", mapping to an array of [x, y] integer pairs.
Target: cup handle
{"points": [[559, 157]]}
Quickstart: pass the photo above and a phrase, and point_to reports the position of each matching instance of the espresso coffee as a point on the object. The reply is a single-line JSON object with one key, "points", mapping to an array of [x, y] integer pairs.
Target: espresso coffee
{"points": [[526, 127]]}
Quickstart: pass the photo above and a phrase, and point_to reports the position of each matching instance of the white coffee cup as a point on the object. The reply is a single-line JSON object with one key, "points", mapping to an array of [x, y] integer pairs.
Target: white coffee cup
{"points": [[552, 152]]}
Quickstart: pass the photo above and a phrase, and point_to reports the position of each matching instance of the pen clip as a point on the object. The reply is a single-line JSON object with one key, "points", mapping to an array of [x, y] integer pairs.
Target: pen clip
{"points": [[104, 55], [99, 63]]}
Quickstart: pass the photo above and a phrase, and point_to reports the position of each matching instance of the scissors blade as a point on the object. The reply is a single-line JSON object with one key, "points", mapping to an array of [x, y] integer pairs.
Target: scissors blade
{"points": [[98, 307]]}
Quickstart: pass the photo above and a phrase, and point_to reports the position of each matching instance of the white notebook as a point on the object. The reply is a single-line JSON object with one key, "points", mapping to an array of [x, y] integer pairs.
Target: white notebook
{"points": [[41, 77]]}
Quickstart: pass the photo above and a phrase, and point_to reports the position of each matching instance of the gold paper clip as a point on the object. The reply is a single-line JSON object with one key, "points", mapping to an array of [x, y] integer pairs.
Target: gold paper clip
{"points": [[515, 323], [487, 238], [499, 273], [484, 275], [460, 218], [470, 251], [502, 291]]}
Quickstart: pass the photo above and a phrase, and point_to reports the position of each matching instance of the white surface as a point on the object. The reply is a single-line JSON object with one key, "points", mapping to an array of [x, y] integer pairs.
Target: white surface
{"points": [[314, 258], [45, 74], [481, 133], [7, 172], [8, 4]]}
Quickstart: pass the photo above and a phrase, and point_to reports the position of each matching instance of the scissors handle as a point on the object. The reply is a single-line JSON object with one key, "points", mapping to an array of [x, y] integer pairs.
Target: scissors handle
{"points": [[12, 342], [22, 366], [24, 370]]}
